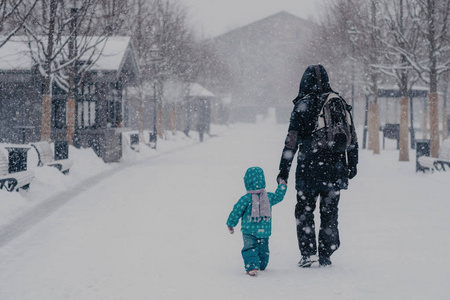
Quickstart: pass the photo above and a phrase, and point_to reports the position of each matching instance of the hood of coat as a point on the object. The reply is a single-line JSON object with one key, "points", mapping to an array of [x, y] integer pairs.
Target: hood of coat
{"points": [[254, 179], [314, 81]]}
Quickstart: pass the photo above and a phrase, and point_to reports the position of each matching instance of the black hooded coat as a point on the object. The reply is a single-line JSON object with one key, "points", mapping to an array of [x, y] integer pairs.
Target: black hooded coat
{"points": [[316, 169]]}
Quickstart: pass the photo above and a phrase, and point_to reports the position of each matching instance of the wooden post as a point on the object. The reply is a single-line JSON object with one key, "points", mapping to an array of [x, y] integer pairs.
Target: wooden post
{"points": [[404, 140], [434, 124]]}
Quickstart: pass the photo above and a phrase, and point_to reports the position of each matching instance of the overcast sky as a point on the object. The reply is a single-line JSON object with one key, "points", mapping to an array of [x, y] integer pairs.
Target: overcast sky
{"points": [[213, 17]]}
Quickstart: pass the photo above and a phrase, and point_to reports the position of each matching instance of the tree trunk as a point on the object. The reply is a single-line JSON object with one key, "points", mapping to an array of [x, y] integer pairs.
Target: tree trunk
{"points": [[160, 121], [70, 122], [444, 124], [425, 120], [433, 96], [444, 110], [374, 128], [434, 124], [46, 116], [70, 131], [404, 140], [374, 78], [376, 146], [46, 112], [172, 118], [370, 126]]}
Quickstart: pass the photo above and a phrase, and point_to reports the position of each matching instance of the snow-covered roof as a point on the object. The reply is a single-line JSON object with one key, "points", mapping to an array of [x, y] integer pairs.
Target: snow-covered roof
{"points": [[197, 90], [15, 54]]}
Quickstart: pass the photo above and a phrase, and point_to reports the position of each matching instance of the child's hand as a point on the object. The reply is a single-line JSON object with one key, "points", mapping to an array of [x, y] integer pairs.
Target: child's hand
{"points": [[281, 181], [230, 229]]}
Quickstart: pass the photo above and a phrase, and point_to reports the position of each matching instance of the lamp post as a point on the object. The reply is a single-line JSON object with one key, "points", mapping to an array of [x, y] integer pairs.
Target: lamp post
{"points": [[154, 135], [73, 52]]}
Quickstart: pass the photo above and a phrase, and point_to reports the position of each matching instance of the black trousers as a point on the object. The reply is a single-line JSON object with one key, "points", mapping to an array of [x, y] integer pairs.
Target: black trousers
{"points": [[304, 214]]}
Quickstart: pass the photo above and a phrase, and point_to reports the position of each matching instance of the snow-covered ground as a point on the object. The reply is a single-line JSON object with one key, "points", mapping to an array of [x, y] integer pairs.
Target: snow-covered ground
{"points": [[153, 227]]}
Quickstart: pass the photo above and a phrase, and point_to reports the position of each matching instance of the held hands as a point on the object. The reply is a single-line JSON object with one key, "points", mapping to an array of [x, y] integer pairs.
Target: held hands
{"points": [[230, 229], [282, 178], [281, 181]]}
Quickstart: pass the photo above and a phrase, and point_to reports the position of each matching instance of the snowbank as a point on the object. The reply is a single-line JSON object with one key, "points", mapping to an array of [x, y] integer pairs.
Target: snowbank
{"points": [[49, 181]]}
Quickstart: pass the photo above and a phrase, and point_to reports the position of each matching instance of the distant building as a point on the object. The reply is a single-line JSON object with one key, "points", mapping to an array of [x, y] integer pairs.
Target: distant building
{"points": [[266, 59], [100, 98]]}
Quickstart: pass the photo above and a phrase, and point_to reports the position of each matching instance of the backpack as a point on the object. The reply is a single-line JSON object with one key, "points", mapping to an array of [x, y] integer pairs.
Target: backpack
{"points": [[334, 130]]}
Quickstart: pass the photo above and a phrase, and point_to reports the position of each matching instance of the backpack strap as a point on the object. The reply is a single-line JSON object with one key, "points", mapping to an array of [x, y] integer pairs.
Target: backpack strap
{"points": [[323, 119]]}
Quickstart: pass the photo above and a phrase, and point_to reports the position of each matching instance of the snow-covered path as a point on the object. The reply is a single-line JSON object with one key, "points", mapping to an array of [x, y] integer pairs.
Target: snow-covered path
{"points": [[156, 230]]}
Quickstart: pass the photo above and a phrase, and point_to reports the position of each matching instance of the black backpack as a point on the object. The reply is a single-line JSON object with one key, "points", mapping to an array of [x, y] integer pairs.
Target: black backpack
{"points": [[334, 130]]}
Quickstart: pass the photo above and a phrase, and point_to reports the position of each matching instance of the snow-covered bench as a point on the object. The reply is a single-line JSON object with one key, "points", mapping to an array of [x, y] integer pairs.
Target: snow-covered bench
{"points": [[13, 181], [391, 131], [440, 163], [46, 158], [134, 141]]}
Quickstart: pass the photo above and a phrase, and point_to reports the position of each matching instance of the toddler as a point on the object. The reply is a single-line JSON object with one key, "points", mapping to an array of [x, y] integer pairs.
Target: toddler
{"points": [[255, 209]]}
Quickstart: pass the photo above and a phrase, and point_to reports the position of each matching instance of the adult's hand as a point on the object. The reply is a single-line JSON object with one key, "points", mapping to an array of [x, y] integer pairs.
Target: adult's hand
{"points": [[282, 177], [352, 172]]}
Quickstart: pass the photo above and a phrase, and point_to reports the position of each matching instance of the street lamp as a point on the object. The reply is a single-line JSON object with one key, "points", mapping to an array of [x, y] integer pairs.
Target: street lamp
{"points": [[153, 135]]}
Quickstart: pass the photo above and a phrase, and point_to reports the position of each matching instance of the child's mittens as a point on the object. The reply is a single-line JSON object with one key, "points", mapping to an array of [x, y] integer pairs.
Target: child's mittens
{"points": [[230, 229], [281, 181]]}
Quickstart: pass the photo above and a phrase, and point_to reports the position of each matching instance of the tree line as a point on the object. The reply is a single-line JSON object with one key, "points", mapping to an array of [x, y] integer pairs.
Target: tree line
{"points": [[381, 42], [61, 32]]}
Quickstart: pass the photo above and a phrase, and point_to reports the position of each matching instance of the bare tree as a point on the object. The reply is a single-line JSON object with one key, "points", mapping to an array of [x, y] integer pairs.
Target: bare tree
{"points": [[432, 19], [59, 36], [353, 34], [162, 41], [13, 14], [400, 36]]}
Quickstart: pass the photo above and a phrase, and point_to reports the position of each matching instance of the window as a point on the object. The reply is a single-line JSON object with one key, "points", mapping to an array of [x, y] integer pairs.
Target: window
{"points": [[114, 105], [86, 105]]}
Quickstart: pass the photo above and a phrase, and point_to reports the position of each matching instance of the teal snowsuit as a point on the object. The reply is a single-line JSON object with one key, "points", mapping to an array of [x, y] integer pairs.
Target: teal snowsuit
{"points": [[255, 232]]}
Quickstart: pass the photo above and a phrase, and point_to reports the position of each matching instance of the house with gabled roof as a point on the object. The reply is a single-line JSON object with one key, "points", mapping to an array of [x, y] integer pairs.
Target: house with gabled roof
{"points": [[101, 104]]}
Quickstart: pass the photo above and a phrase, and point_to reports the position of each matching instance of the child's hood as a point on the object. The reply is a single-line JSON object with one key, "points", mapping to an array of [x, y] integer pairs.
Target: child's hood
{"points": [[254, 179]]}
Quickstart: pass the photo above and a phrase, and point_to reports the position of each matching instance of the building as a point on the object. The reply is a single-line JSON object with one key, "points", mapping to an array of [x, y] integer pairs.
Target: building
{"points": [[101, 103], [266, 59]]}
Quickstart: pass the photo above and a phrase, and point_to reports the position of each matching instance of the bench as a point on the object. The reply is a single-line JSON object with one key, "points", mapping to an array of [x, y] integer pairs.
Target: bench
{"points": [[13, 181], [134, 141], [441, 163], [391, 131], [46, 158]]}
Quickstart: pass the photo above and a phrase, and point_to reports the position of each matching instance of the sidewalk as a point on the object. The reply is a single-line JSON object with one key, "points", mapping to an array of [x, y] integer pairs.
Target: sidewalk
{"points": [[49, 182]]}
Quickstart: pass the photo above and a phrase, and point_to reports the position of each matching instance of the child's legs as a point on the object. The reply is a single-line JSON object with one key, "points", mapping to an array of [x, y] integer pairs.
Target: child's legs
{"points": [[263, 253], [250, 252]]}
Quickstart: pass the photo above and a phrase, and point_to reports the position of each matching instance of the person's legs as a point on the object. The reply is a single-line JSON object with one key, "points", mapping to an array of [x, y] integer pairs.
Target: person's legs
{"points": [[250, 252], [304, 214], [329, 233], [263, 253]]}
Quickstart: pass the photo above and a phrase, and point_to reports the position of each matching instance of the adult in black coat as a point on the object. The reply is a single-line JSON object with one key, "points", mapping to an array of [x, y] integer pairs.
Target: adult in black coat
{"points": [[319, 172]]}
